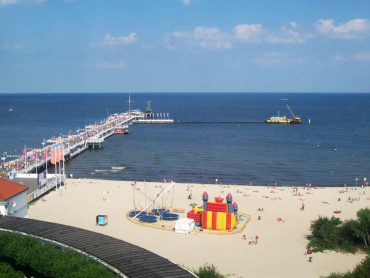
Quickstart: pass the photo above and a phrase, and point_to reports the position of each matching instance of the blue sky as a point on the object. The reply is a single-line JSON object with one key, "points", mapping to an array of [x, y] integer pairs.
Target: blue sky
{"points": [[184, 46]]}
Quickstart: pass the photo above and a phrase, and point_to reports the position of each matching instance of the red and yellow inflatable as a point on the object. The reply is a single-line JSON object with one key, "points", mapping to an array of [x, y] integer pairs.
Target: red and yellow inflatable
{"points": [[217, 215]]}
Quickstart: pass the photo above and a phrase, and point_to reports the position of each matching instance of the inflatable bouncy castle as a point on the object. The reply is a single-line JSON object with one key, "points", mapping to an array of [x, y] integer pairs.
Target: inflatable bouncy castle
{"points": [[217, 215]]}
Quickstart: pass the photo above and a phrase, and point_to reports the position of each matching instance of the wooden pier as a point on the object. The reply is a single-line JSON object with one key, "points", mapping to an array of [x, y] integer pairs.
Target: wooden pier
{"points": [[34, 162], [73, 144], [154, 121]]}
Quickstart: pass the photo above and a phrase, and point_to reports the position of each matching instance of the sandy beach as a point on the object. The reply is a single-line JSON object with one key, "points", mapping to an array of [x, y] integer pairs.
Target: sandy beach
{"points": [[282, 226]]}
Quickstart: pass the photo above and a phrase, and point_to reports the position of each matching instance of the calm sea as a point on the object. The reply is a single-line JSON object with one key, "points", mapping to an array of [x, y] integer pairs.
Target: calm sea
{"points": [[221, 136]]}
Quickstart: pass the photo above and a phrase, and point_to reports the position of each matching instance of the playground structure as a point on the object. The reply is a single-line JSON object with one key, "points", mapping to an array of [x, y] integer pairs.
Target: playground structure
{"points": [[157, 212], [217, 215]]}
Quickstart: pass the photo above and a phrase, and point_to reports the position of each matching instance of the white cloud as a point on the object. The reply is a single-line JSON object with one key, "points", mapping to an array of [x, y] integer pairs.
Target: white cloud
{"points": [[12, 2], [354, 28], [186, 2], [211, 37], [277, 58], [291, 33], [8, 2], [288, 34], [21, 66], [362, 56], [12, 47], [340, 58], [243, 33], [359, 56], [18, 46], [107, 65], [111, 41], [272, 58], [201, 36], [248, 32]]}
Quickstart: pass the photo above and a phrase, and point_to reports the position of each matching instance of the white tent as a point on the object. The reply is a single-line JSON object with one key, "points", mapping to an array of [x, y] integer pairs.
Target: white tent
{"points": [[184, 225]]}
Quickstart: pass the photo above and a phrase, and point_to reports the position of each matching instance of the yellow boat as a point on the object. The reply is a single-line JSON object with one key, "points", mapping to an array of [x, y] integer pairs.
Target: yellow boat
{"points": [[284, 119]]}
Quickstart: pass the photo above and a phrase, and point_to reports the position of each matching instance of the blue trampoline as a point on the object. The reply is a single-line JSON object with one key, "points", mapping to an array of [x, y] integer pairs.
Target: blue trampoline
{"points": [[148, 218], [160, 211], [170, 216], [136, 212]]}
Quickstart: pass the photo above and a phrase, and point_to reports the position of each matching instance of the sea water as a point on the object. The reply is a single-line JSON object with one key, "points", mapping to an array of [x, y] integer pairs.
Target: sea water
{"points": [[217, 137]]}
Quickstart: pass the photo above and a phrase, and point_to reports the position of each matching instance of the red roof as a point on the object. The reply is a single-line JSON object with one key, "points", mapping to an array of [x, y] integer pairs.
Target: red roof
{"points": [[9, 189]]}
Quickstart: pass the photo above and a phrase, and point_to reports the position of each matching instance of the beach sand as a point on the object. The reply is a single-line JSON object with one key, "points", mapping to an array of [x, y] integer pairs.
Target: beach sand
{"points": [[281, 248]]}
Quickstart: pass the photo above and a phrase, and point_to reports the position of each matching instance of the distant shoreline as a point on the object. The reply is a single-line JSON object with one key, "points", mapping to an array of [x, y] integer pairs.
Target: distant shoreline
{"points": [[360, 185]]}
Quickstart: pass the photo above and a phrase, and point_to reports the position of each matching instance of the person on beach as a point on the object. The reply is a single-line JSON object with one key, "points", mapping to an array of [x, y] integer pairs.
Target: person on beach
{"points": [[302, 208], [250, 241], [256, 239]]}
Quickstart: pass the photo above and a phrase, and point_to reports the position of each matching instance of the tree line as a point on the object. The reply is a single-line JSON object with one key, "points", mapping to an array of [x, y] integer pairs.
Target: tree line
{"points": [[345, 236]]}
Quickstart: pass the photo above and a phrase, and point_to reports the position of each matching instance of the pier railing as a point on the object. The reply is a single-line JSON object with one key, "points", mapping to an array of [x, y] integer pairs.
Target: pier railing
{"points": [[51, 184], [93, 135]]}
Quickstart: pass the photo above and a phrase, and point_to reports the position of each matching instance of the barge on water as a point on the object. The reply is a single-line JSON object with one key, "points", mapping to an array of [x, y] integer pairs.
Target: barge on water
{"points": [[283, 119]]}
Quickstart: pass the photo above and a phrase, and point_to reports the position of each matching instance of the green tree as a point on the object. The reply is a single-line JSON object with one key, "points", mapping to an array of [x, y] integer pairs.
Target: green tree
{"points": [[352, 239], [363, 229], [326, 233], [332, 234], [208, 271], [8, 271]]}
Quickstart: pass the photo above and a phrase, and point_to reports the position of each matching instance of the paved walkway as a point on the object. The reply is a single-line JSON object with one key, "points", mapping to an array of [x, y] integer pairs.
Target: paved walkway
{"points": [[131, 260]]}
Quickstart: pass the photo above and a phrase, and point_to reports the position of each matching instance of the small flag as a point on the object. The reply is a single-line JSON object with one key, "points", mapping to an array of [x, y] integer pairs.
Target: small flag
{"points": [[61, 152], [53, 155], [24, 154]]}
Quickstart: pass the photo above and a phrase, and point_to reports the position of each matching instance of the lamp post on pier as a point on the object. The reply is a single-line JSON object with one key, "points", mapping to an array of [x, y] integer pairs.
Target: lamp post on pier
{"points": [[36, 156], [25, 156], [3, 158], [45, 156]]}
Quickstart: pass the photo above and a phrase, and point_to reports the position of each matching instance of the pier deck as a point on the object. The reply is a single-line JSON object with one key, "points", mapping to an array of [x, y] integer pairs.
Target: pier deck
{"points": [[154, 121], [73, 144], [34, 161]]}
